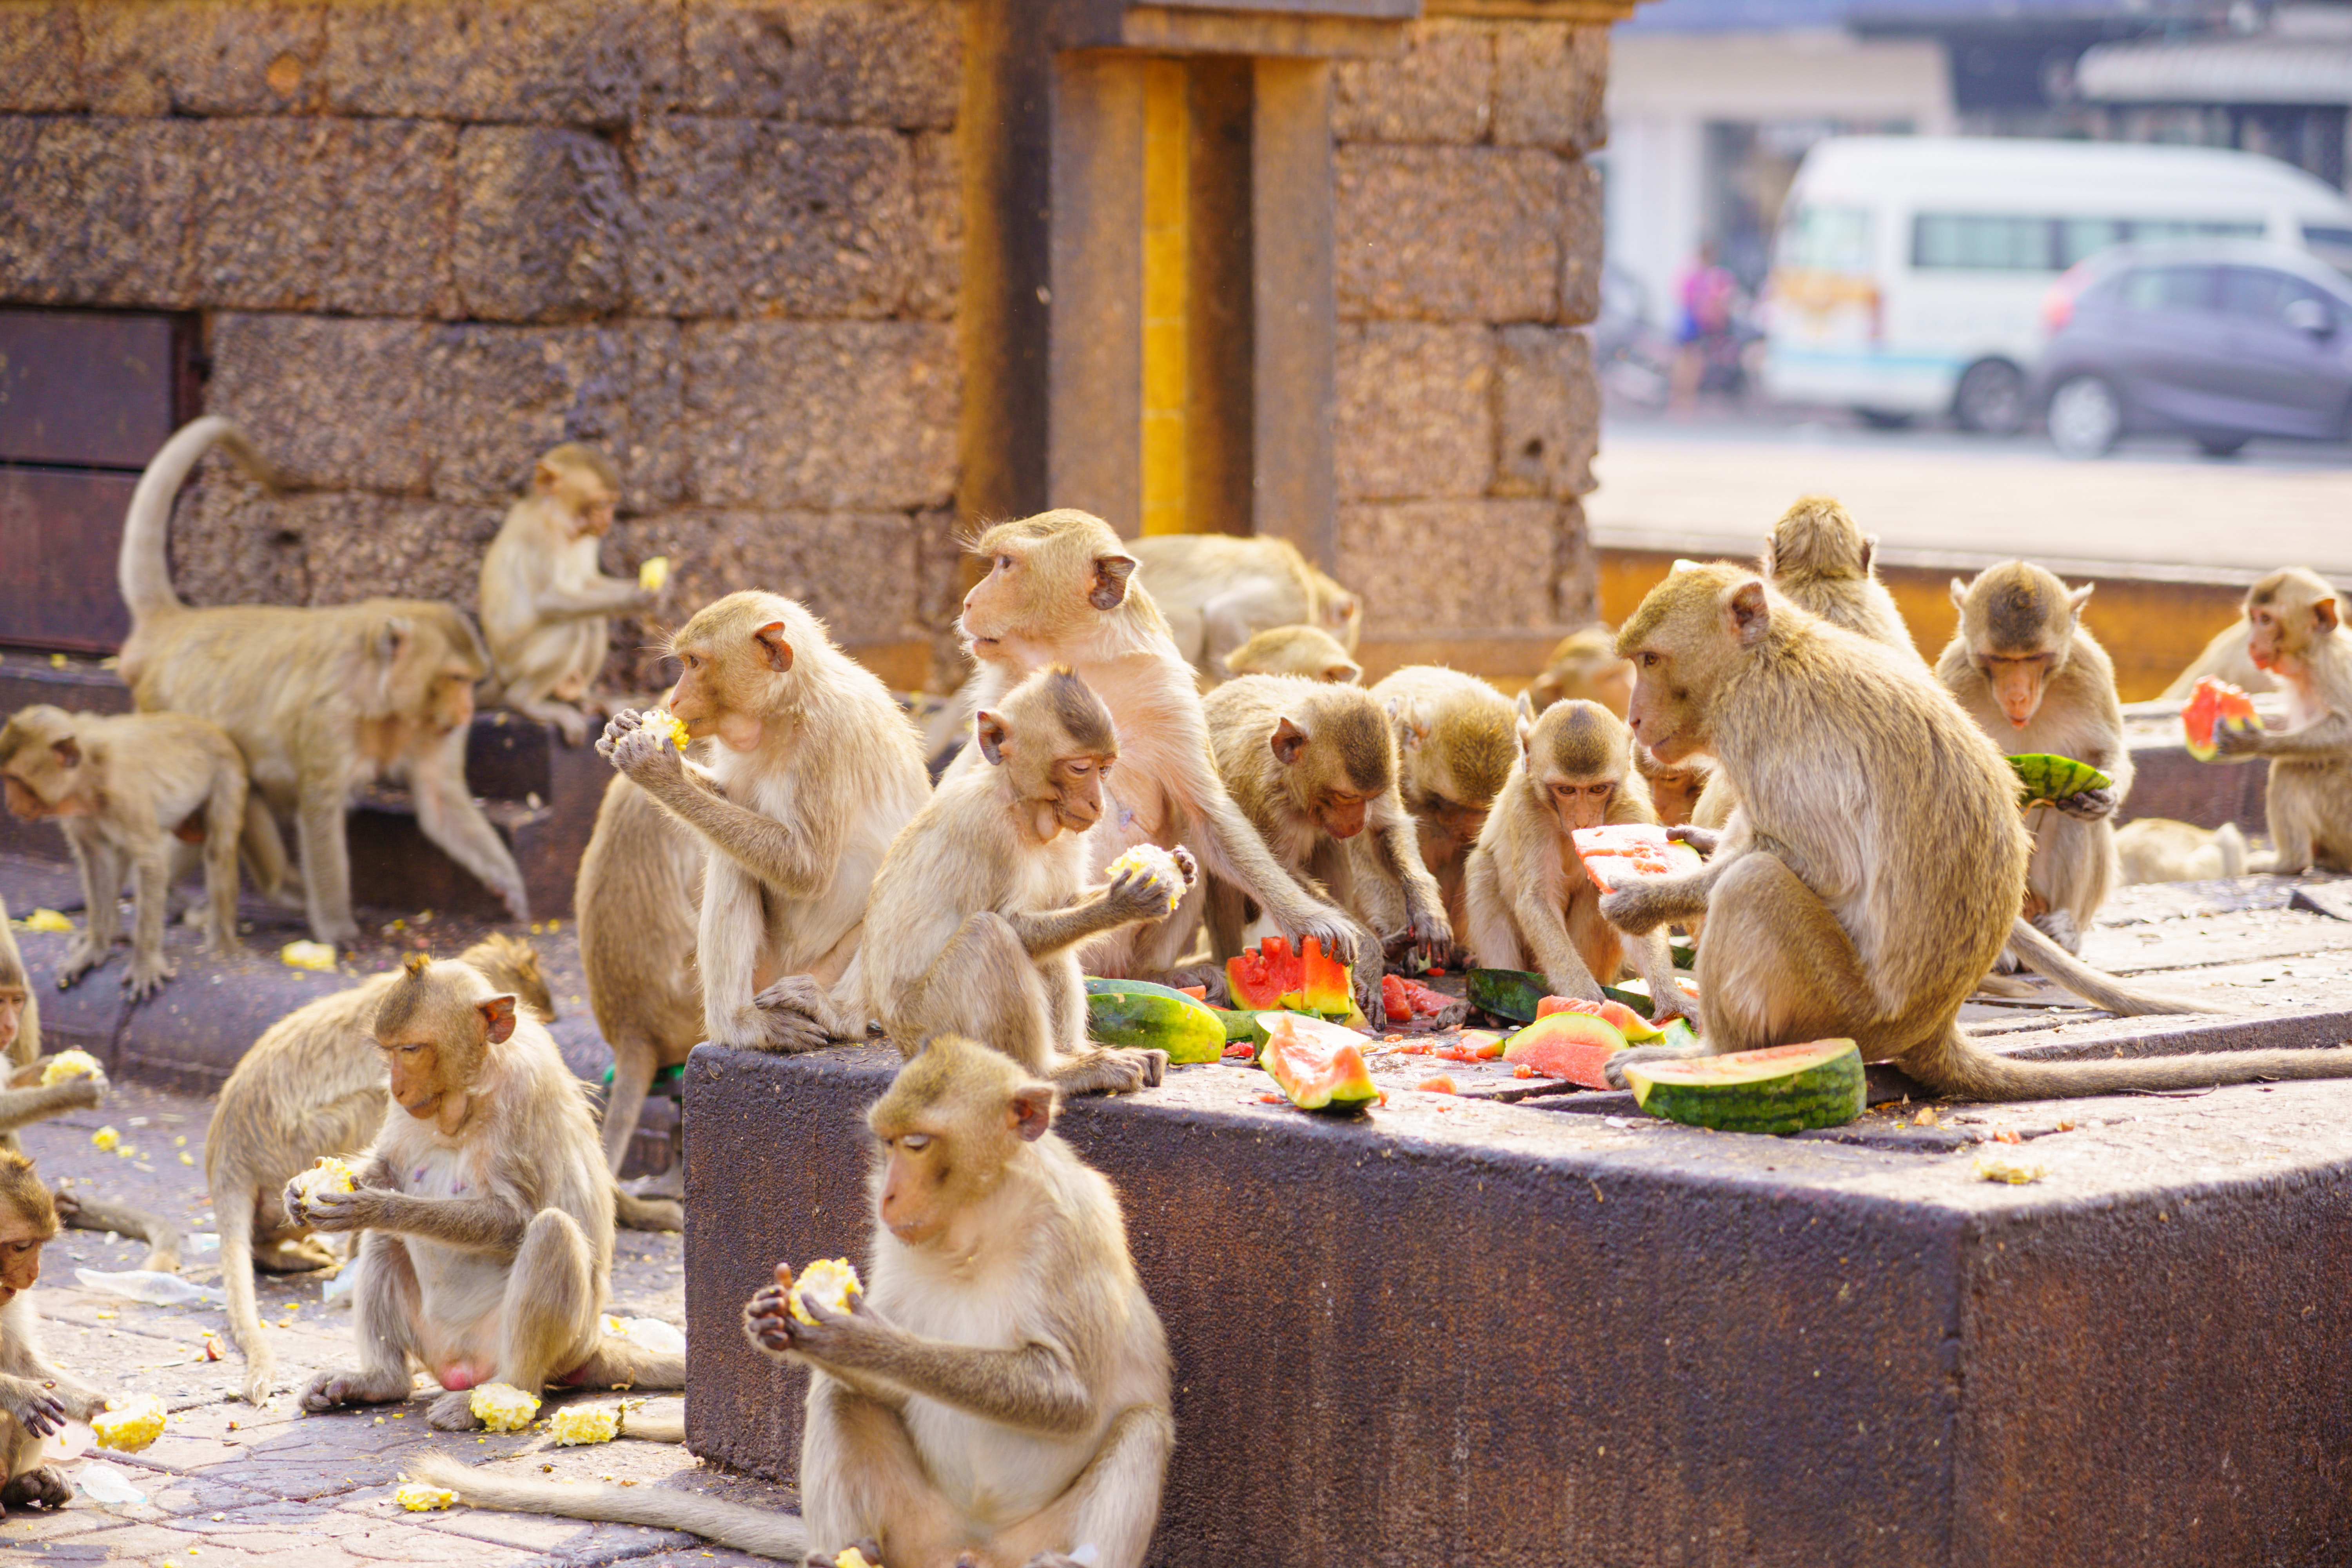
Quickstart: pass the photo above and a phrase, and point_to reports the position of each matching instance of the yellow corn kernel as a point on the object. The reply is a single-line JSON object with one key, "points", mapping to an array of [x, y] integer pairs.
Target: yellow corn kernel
{"points": [[669, 723], [128, 1424], [418, 1497], [105, 1138], [328, 1175], [71, 1064], [584, 1424], [1148, 859], [48, 921], [852, 1558], [652, 575], [830, 1281], [2017, 1172], [318, 955], [503, 1408]]}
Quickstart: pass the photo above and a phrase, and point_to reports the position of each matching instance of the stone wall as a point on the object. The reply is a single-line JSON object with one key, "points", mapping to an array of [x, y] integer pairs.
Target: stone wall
{"points": [[1468, 249], [430, 239]]}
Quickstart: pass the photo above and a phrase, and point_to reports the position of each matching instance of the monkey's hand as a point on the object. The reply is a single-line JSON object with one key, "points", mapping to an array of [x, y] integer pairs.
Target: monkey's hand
{"points": [[83, 955], [2241, 739], [2089, 806], [1645, 903], [839, 1339], [37, 1407], [642, 751], [145, 975], [1703, 839], [337, 1213]]}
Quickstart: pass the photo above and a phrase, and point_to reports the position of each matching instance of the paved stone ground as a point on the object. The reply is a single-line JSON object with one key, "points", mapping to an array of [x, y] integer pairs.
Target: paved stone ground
{"points": [[229, 1485]]}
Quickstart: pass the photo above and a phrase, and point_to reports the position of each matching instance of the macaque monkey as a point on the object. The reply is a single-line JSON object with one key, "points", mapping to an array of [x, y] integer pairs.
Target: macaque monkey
{"points": [[313, 1085], [997, 1395], [812, 771], [2034, 680], [1675, 790], [635, 904], [1531, 902], [1457, 740], [36, 1396], [487, 1209], [544, 602], [1314, 767], [1309, 651], [1216, 591], [1058, 592], [1820, 559], [2297, 635], [2155, 849], [2225, 658], [1585, 665], [321, 701], [1868, 906], [121, 787], [979, 907]]}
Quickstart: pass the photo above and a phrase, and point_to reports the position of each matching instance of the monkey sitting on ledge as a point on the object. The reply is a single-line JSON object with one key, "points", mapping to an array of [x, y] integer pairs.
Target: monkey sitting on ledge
{"points": [[2297, 635], [37, 1398]]}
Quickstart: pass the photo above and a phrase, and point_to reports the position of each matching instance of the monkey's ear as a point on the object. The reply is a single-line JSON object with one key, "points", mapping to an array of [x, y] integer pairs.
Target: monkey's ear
{"points": [[1032, 1106], [2322, 615], [1341, 610], [770, 638], [68, 751], [1111, 573], [1343, 674], [988, 728], [1525, 707], [1746, 616], [1288, 741], [1869, 551], [1959, 593], [498, 1014], [393, 636], [543, 476], [2077, 597]]}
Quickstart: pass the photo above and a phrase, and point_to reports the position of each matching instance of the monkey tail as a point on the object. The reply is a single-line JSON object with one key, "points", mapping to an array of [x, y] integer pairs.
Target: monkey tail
{"points": [[2096, 986], [1961, 1067], [634, 1212], [234, 1220], [2232, 846], [145, 569], [760, 1530]]}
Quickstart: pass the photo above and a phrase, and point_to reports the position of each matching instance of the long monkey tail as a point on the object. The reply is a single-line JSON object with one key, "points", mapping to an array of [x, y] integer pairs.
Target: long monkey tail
{"points": [[753, 1530], [234, 1219], [144, 569], [2096, 986], [1960, 1067]]}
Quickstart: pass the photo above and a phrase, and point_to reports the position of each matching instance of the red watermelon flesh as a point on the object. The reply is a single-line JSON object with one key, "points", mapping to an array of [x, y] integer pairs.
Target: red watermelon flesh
{"points": [[1273, 976], [1572, 1046], [1616, 1015], [1615, 855], [1319, 1066], [2213, 703]]}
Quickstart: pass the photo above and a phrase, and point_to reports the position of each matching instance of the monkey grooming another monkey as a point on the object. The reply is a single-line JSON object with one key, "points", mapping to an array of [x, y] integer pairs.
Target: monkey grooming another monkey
{"points": [[544, 602], [977, 911], [1530, 897], [1457, 739], [1216, 591], [36, 1396], [319, 701], [313, 1085], [1309, 651], [812, 770], [1314, 768], [1058, 592], [1000, 1392], [2297, 635], [120, 787], [1842, 904], [1584, 665], [488, 1209], [2022, 666]]}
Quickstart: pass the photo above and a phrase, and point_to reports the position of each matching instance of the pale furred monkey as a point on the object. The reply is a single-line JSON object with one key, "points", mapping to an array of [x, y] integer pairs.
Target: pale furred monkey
{"points": [[1584, 664], [1530, 898], [2155, 849], [487, 1209], [1855, 907], [544, 602], [2225, 658], [1457, 738], [320, 700], [1309, 651], [2297, 635], [2035, 680], [809, 769], [37, 1397], [1000, 1392], [1058, 592], [976, 915], [1216, 591]]}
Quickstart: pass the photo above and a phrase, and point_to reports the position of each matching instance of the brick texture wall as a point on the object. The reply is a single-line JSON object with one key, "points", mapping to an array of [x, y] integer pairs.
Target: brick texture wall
{"points": [[430, 239], [1469, 249]]}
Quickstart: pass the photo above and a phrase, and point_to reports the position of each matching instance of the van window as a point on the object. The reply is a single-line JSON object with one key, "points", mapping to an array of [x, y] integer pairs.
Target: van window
{"points": [[1826, 239], [2171, 287], [1990, 242]]}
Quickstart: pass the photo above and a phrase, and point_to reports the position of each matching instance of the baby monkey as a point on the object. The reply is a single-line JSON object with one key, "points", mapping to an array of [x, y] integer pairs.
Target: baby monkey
{"points": [[973, 921], [1529, 894], [36, 1397], [122, 788]]}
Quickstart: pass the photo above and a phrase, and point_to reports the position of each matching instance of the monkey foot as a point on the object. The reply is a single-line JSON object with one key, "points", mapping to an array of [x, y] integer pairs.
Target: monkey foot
{"points": [[43, 1488], [332, 1390], [453, 1412], [2059, 927], [1112, 1070], [793, 1015]]}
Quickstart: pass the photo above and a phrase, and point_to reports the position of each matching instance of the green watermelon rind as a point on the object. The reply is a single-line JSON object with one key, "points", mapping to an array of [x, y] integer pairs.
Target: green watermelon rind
{"points": [[1510, 993], [1237, 1026], [2050, 777], [1185, 1027], [1363, 1096], [1830, 1093]]}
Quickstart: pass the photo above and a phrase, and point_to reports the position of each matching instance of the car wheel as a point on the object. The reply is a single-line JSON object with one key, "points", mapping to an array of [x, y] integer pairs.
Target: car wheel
{"points": [[2221, 446], [2086, 417], [1991, 398]]}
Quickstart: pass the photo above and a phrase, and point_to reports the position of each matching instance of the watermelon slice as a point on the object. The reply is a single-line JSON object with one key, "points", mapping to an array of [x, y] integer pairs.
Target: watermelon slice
{"points": [[1615, 855], [2212, 703], [1513, 993], [1573, 1046], [1319, 1066], [1618, 1015], [1305, 982], [1783, 1088], [1134, 1012], [2046, 777]]}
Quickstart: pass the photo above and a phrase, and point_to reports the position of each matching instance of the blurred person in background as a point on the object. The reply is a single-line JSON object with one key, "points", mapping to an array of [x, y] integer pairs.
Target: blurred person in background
{"points": [[1709, 297]]}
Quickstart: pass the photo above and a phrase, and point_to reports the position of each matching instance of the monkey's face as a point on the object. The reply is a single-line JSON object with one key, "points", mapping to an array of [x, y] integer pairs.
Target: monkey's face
{"points": [[20, 1257], [589, 505], [2017, 684], [1339, 814], [12, 1014], [1076, 800], [998, 604], [921, 1183], [1661, 712], [23, 801], [1579, 802]]}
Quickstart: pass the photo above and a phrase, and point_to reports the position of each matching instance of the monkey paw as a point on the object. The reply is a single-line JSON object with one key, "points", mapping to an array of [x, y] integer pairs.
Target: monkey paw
{"points": [[1114, 1069], [332, 1390], [453, 1412], [145, 978], [2089, 806], [792, 1016], [45, 1486], [2058, 926], [80, 958]]}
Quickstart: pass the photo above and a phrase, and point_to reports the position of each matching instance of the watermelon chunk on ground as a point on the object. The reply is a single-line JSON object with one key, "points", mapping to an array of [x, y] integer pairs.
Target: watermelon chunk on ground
{"points": [[2212, 704], [1571, 1046], [1616, 1015], [1782, 1089], [1615, 855], [1305, 982], [1319, 1066]]}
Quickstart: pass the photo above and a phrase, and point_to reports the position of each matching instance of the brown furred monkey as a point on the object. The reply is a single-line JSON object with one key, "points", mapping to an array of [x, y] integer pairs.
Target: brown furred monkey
{"points": [[313, 1085], [1216, 591], [978, 909], [813, 769], [1584, 664], [999, 1392], [2035, 680], [544, 602], [36, 1396], [1457, 740], [487, 1209], [1314, 767], [1058, 592], [1674, 791], [1819, 558], [320, 700], [1841, 905], [2297, 635], [121, 787], [1530, 898], [1309, 651]]}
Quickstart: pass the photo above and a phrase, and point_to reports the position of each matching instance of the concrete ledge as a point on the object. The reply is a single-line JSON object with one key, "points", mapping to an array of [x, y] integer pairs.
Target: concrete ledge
{"points": [[1458, 1333]]}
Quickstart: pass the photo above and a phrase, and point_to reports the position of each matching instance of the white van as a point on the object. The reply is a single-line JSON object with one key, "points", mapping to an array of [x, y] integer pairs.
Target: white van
{"points": [[1909, 272]]}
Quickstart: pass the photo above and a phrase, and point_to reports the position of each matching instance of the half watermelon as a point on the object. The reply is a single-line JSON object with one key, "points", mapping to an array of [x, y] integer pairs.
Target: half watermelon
{"points": [[1615, 855], [1319, 1066], [2212, 704], [1782, 1089], [1304, 982], [1571, 1046]]}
